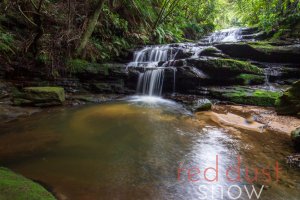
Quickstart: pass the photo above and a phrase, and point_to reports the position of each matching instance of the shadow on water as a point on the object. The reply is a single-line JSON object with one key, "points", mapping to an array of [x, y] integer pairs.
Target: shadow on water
{"points": [[133, 149]]}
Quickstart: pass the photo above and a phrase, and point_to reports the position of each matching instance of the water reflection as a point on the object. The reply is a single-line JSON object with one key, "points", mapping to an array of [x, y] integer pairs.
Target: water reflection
{"points": [[133, 150]]}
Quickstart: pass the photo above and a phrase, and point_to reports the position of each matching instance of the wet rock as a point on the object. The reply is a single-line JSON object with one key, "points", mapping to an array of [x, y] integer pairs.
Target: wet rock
{"points": [[182, 54], [295, 135], [212, 52], [224, 67], [9, 113], [14, 186], [244, 95], [289, 102], [201, 105], [262, 51], [39, 96]]}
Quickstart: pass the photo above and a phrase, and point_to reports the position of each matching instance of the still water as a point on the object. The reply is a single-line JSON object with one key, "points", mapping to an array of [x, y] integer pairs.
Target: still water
{"points": [[143, 148]]}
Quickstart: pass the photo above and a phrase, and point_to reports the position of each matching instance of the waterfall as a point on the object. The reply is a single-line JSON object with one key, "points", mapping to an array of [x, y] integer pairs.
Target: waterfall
{"points": [[151, 82], [226, 35], [151, 56]]}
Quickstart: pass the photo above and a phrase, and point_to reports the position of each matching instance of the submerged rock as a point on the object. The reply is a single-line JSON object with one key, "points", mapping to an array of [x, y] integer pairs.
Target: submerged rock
{"points": [[289, 102], [248, 96], [14, 186], [39, 96], [295, 135]]}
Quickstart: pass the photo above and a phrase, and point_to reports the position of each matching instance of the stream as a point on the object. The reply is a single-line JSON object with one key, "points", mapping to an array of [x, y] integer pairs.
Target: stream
{"points": [[146, 147]]}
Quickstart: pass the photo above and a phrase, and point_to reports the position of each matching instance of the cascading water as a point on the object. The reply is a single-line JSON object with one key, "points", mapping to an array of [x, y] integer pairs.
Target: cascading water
{"points": [[151, 82], [154, 60], [226, 35]]}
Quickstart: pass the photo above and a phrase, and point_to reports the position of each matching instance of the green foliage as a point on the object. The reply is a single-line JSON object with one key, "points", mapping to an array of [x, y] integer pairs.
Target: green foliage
{"points": [[6, 43]]}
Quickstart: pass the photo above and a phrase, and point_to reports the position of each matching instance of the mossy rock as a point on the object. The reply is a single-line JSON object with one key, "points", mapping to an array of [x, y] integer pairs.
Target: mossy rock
{"points": [[250, 79], [289, 102], [295, 135], [262, 51], [248, 96], [17, 187], [201, 105], [224, 67], [39, 96]]}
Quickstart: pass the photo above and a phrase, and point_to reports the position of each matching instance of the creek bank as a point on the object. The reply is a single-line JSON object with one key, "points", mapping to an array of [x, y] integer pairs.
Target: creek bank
{"points": [[267, 116]]}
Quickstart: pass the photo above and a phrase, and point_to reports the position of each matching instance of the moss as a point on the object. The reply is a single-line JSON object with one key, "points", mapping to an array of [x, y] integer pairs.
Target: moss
{"points": [[250, 79], [39, 96], [236, 66], [248, 96], [17, 187]]}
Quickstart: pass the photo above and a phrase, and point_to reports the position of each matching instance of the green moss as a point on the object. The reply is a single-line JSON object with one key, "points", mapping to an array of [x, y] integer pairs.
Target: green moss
{"points": [[250, 79], [248, 96], [17, 187], [236, 66]]}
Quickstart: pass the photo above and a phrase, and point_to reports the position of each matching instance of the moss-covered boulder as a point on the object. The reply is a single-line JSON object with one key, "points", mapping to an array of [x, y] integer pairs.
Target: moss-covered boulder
{"points": [[201, 105], [248, 96], [17, 187], [224, 67], [39, 96], [295, 135], [289, 102], [262, 51]]}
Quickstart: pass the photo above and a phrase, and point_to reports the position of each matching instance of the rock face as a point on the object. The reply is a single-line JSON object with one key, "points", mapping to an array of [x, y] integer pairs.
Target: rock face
{"points": [[289, 102], [39, 96], [262, 51], [295, 135], [14, 186]]}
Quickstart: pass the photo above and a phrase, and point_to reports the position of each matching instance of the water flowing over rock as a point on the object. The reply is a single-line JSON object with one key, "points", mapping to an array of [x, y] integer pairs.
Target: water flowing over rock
{"points": [[151, 82]]}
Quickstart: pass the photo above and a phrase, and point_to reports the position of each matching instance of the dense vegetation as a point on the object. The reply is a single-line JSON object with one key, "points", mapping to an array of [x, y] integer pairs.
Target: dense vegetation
{"points": [[50, 33]]}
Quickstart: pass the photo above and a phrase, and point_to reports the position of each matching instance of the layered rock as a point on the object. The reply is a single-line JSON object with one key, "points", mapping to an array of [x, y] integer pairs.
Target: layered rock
{"points": [[39, 96], [262, 51]]}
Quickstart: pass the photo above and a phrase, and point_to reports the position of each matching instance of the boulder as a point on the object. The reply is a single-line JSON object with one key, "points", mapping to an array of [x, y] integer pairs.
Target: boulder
{"points": [[295, 135], [289, 102], [39, 96], [14, 186], [262, 51], [201, 105], [245, 95]]}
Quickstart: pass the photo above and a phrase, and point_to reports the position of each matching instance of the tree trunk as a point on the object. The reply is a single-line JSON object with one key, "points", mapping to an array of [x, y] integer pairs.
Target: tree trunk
{"points": [[92, 22]]}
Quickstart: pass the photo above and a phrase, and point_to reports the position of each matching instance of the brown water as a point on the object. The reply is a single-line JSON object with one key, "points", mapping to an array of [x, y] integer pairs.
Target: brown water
{"points": [[133, 150]]}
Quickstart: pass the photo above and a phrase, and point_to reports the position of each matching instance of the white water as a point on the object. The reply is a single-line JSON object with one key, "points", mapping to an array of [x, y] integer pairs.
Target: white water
{"points": [[151, 82], [155, 59], [226, 35]]}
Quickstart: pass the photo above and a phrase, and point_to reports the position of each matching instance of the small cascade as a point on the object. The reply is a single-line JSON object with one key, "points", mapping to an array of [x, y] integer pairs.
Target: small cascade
{"points": [[151, 82], [226, 35], [151, 56]]}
